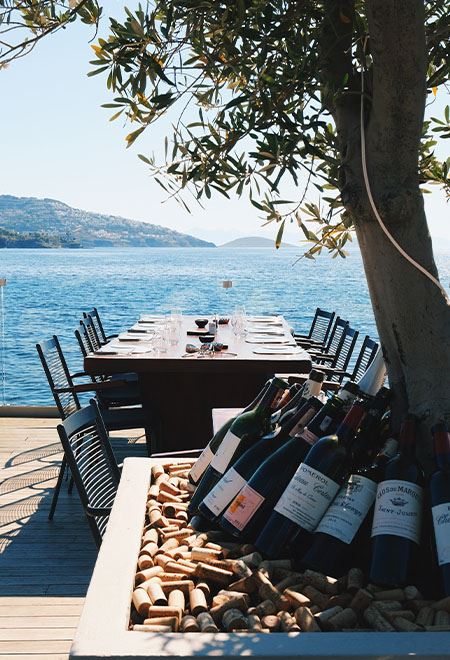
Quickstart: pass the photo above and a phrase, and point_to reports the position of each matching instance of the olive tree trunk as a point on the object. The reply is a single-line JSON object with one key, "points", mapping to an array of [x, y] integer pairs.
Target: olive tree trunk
{"points": [[412, 316]]}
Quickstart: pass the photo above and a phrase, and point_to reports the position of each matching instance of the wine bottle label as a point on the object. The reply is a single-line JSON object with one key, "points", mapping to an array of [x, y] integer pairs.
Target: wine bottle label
{"points": [[224, 491], [398, 509], [225, 452], [441, 523], [349, 509], [200, 465], [243, 507], [309, 436], [307, 497]]}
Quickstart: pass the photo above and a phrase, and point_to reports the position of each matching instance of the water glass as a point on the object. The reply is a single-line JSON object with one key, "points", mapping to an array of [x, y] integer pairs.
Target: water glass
{"points": [[173, 330], [177, 315]]}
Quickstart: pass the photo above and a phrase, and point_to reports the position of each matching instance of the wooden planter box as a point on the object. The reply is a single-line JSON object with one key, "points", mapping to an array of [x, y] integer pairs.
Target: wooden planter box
{"points": [[102, 631]]}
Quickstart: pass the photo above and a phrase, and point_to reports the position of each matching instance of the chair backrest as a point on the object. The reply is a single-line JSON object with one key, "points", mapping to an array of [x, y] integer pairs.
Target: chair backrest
{"points": [[58, 376], [86, 347], [92, 337], [98, 325], [344, 351], [321, 325], [92, 464], [335, 335], [366, 355]]}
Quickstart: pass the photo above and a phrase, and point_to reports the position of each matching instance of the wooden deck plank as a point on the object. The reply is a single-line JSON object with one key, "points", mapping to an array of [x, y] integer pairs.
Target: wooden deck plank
{"points": [[38, 622], [36, 634], [36, 646]]}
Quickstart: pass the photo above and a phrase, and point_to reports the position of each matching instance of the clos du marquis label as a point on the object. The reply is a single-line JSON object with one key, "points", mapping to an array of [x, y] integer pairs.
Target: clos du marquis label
{"points": [[225, 452], [307, 497], [243, 507], [224, 491], [201, 464], [398, 509], [441, 523], [349, 509]]}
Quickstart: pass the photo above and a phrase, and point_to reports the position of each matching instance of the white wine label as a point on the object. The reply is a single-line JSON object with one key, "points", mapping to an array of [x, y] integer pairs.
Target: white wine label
{"points": [[307, 497], [325, 423], [398, 509], [224, 492], [309, 436], [441, 523], [349, 509], [243, 507], [200, 465], [225, 452]]}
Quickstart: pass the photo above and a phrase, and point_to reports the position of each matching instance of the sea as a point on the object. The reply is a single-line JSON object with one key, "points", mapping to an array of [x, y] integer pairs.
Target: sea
{"points": [[48, 290]]}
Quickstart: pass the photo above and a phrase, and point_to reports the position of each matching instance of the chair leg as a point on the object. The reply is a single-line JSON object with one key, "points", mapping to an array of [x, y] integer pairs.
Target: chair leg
{"points": [[62, 469]]}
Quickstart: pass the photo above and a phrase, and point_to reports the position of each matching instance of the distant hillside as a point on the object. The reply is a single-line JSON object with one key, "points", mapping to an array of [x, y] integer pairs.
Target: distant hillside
{"points": [[31, 222], [252, 242]]}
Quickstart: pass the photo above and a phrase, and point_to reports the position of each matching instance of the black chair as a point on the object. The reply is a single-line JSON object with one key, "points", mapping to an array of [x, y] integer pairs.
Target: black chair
{"points": [[98, 326], [328, 352], [337, 368], [319, 330], [92, 464], [65, 394]]}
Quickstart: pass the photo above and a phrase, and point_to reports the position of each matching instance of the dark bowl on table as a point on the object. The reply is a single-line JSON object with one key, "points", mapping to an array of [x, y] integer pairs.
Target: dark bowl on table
{"points": [[206, 339], [223, 321], [201, 323]]}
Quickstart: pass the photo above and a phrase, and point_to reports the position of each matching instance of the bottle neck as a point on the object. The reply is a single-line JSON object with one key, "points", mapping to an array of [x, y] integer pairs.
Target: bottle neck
{"points": [[407, 439], [257, 399], [300, 418], [368, 440], [346, 432], [441, 446], [271, 397]]}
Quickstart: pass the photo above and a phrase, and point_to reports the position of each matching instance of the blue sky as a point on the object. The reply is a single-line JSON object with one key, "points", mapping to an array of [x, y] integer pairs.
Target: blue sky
{"points": [[57, 142]]}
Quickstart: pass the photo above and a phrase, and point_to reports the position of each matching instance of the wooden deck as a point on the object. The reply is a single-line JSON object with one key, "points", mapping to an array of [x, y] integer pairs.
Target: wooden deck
{"points": [[45, 566]]}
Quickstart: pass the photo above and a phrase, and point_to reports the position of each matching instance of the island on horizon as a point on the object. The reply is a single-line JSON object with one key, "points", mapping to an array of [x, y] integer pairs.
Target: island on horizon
{"points": [[253, 242]]}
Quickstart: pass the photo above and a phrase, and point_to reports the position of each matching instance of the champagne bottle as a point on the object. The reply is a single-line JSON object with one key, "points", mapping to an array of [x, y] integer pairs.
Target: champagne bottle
{"points": [[246, 429], [440, 502], [238, 474], [312, 488], [248, 513], [337, 533], [397, 517], [310, 387]]}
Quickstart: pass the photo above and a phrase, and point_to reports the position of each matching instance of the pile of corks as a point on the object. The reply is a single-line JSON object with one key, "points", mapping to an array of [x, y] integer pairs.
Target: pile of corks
{"points": [[202, 582]]}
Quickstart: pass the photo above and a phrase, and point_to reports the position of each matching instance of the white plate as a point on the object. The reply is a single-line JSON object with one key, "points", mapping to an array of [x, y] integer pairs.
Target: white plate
{"points": [[268, 340], [274, 350]]}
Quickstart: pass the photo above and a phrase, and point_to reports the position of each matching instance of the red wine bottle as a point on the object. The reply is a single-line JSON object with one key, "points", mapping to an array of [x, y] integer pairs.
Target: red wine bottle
{"points": [[396, 528], [440, 501], [238, 474], [331, 549], [243, 432], [203, 461], [369, 437], [310, 387], [312, 488]]}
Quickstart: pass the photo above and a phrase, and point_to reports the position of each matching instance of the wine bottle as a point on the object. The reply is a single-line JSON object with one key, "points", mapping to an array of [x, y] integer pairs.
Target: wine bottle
{"points": [[246, 428], [310, 387], [396, 527], [334, 537], [211, 448], [285, 402], [374, 377], [237, 475], [369, 438], [440, 502], [312, 488], [248, 513]]}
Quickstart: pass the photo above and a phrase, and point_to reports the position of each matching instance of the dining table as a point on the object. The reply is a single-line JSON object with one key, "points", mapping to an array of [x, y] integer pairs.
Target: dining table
{"points": [[179, 389]]}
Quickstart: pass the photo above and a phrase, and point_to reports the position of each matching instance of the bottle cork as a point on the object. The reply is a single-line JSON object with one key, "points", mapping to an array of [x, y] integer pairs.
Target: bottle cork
{"points": [[206, 623], [177, 567], [323, 616], [247, 585], [153, 491], [157, 470], [405, 614], [315, 596], [148, 574], [176, 599], [238, 603], [391, 594], [189, 624], [204, 586], [150, 548], [254, 623], [323, 583], [197, 602], [344, 619], [289, 581], [179, 585], [361, 600], [150, 536], [196, 540], [355, 580], [267, 591], [404, 625], [387, 605], [145, 561], [182, 516], [425, 616], [164, 496], [225, 565], [342, 600], [167, 487], [213, 574], [253, 559], [169, 544], [437, 628], [171, 621], [152, 628], [264, 608], [288, 623], [443, 604], [412, 593], [200, 554], [306, 621], [234, 620], [176, 522], [164, 610], [416, 605], [441, 618], [376, 620], [178, 534], [157, 519], [272, 622], [296, 598], [157, 595], [141, 601]]}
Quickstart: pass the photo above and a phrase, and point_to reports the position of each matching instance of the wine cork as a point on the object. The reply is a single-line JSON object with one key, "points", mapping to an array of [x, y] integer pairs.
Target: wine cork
{"points": [[240, 568], [361, 600], [437, 628], [180, 551], [341, 600], [161, 478], [288, 623], [189, 624], [247, 585], [186, 562], [213, 574], [404, 625], [177, 599], [272, 622], [296, 598], [425, 616], [196, 540], [355, 580], [387, 605], [254, 623], [171, 621], [186, 555], [152, 628], [443, 604], [170, 544], [239, 603], [253, 559], [344, 619], [173, 577], [179, 534], [305, 619], [267, 591], [141, 601], [376, 620], [153, 491], [405, 614], [233, 620], [391, 594], [200, 554], [180, 585], [148, 574], [145, 561], [289, 581], [156, 471], [167, 487], [441, 618], [157, 519], [412, 593], [323, 583], [329, 613], [176, 523], [150, 536], [206, 622], [204, 586], [170, 509], [164, 610], [264, 608], [416, 605], [178, 567], [197, 602], [150, 548], [182, 516], [316, 597], [157, 595]]}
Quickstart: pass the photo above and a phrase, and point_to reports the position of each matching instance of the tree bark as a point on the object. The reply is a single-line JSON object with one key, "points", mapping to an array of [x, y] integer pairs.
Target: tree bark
{"points": [[411, 313]]}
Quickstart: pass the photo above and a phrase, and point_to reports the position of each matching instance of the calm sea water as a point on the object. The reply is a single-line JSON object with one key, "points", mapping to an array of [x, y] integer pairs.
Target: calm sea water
{"points": [[47, 291]]}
